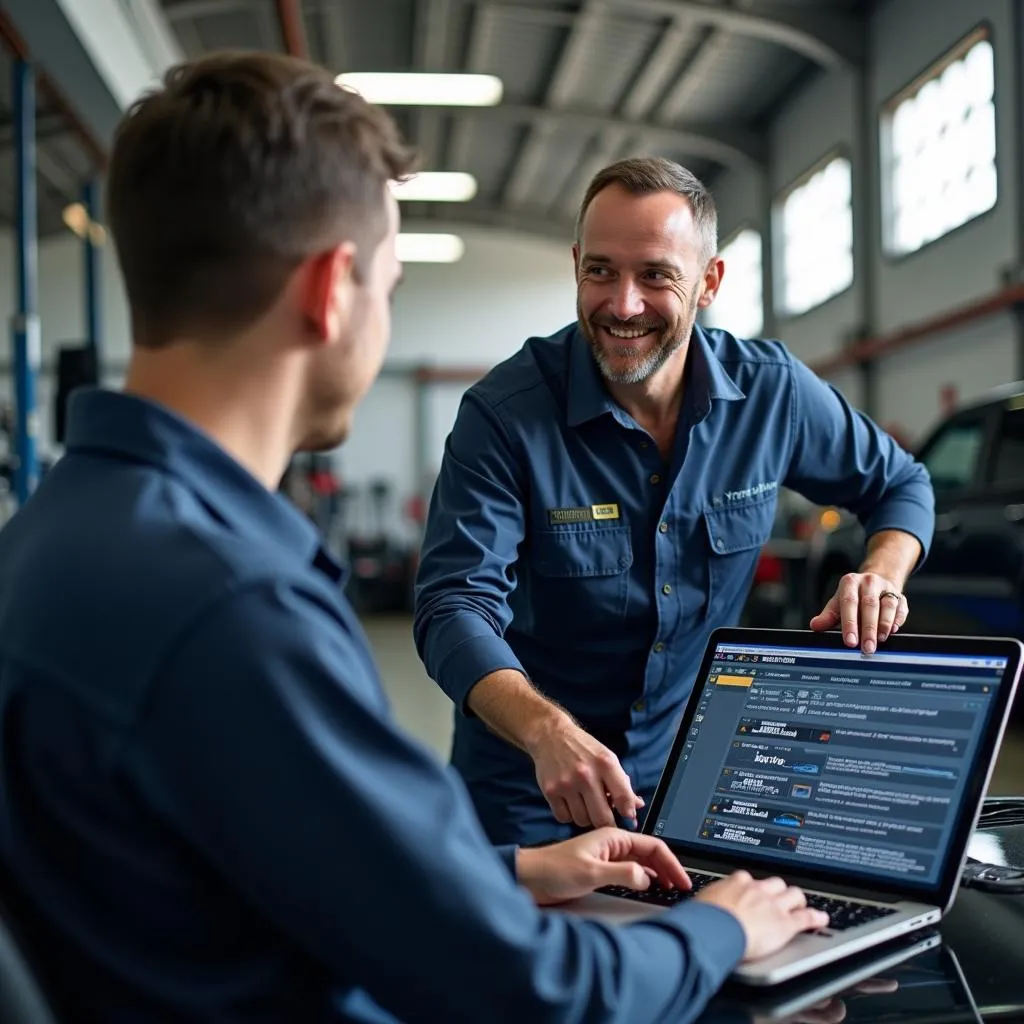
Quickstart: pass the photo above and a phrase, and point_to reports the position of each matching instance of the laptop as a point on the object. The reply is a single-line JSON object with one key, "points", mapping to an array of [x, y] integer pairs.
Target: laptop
{"points": [[858, 778]]}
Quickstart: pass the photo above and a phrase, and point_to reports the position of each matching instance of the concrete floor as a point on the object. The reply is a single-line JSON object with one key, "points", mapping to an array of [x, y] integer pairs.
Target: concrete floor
{"points": [[426, 712]]}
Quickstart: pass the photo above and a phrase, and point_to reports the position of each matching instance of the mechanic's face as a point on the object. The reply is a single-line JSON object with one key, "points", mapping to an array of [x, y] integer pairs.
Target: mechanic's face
{"points": [[640, 280]]}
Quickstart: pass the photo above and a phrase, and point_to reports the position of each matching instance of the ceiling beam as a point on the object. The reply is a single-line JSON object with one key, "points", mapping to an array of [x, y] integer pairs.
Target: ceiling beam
{"points": [[482, 29], [527, 167], [831, 38], [432, 21], [729, 146]]}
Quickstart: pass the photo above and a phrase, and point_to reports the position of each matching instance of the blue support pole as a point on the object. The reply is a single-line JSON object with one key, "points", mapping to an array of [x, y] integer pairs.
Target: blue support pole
{"points": [[93, 307], [26, 320]]}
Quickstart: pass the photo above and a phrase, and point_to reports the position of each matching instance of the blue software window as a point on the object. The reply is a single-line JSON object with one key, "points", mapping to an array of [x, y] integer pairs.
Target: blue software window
{"points": [[831, 757]]}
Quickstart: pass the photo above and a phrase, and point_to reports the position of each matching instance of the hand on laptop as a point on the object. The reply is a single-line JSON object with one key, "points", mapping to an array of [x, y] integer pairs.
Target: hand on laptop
{"points": [[867, 607], [606, 856], [581, 778], [770, 912]]}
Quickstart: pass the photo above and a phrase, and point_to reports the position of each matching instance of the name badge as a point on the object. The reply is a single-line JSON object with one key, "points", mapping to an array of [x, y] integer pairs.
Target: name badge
{"points": [[585, 514]]}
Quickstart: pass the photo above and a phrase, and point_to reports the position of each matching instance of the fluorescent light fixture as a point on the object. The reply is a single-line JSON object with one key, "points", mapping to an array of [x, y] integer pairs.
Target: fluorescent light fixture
{"points": [[428, 248], [436, 187], [425, 90]]}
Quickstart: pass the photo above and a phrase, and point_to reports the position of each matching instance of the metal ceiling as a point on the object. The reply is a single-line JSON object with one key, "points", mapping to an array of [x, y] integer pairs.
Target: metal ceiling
{"points": [[586, 82]]}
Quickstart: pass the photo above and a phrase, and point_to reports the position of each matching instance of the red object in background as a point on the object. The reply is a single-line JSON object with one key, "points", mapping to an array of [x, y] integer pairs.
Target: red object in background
{"points": [[324, 483], [769, 569], [416, 509], [949, 396]]}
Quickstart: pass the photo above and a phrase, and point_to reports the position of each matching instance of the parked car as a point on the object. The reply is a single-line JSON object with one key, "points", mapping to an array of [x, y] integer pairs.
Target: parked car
{"points": [[973, 579]]}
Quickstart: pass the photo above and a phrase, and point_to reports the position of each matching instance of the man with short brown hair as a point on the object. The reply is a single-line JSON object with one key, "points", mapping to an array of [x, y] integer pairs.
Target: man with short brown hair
{"points": [[601, 505], [204, 800]]}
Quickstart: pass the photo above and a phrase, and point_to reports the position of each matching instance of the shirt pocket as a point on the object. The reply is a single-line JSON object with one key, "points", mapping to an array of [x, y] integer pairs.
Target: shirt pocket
{"points": [[583, 575], [736, 534]]}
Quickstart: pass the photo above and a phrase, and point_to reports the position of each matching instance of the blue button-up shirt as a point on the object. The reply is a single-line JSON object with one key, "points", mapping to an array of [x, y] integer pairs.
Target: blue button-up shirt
{"points": [[560, 542], [206, 808]]}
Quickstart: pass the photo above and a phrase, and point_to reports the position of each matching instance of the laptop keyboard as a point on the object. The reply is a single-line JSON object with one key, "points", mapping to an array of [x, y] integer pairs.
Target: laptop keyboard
{"points": [[843, 914]]}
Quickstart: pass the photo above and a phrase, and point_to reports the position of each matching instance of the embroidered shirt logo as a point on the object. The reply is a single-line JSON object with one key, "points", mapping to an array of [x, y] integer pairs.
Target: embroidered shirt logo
{"points": [[752, 492]]}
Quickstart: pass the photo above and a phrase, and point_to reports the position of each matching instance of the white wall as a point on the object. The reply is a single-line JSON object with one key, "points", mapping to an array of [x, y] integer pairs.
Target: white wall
{"points": [[470, 314], [905, 38]]}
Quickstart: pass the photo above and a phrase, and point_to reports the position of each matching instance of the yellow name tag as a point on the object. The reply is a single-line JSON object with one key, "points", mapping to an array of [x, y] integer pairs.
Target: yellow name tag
{"points": [[605, 511]]}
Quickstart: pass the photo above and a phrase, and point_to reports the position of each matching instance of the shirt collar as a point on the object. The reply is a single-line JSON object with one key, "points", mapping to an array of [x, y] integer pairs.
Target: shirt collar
{"points": [[128, 426], [588, 398]]}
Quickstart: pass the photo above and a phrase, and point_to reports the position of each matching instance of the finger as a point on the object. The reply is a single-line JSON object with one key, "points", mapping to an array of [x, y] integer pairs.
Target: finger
{"points": [[849, 603], [832, 1012], [807, 920], [888, 606], [791, 898], [902, 614], [828, 617], [595, 799], [578, 810], [622, 872], [868, 609], [620, 791], [772, 886], [652, 852], [560, 809]]}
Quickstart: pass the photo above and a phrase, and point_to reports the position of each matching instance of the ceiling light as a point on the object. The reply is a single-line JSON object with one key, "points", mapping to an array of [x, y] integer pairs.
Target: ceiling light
{"points": [[429, 90], [427, 248], [436, 187], [76, 217]]}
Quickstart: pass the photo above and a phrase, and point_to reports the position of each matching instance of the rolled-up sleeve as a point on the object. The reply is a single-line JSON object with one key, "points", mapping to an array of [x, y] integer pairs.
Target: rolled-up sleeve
{"points": [[266, 745], [840, 457], [475, 525]]}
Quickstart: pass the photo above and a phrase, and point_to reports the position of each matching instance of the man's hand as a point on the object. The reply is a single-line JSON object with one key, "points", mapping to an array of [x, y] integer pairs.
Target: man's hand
{"points": [[607, 856], [868, 607], [580, 778], [770, 912]]}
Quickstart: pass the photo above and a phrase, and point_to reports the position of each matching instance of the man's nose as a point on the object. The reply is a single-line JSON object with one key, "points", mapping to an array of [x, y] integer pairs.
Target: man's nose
{"points": [[627, 301]]}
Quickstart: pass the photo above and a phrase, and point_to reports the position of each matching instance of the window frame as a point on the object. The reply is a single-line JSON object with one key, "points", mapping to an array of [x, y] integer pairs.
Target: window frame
{"points": [[980, 414], [1011, 406], [840, 150], [747, 225], [886, 111]]}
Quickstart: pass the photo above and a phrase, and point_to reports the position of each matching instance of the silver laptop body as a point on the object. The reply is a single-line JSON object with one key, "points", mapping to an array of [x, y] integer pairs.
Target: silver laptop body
{"points": [[858, 778]]}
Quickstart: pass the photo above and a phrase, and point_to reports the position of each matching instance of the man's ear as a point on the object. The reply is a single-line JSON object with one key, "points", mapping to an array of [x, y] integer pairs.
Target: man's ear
{"points": [[713, 274], [576, 258], [327, 298]]}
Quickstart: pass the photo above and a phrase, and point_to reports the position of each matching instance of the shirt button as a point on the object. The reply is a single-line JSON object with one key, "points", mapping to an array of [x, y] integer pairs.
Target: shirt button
{"points": [[655, 479], [720, 544], [639, 706], [644, 444], [663, 528], [667, 589], [659, 647]]}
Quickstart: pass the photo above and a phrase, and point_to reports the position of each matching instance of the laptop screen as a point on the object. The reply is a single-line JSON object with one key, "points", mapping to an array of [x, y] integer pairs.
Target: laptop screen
{"points": [[830, 758]]}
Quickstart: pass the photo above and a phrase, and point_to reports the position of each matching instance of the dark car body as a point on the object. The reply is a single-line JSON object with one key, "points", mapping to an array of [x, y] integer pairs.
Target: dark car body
{"points": [[973, 579]]}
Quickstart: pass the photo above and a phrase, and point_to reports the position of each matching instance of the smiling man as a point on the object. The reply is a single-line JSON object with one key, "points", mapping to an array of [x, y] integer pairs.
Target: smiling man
{"points": [[600, 508]]}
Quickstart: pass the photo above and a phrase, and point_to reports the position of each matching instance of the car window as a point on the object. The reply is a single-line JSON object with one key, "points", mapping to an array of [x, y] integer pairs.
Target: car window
{"points": [[952, 457], [1008, 458]]}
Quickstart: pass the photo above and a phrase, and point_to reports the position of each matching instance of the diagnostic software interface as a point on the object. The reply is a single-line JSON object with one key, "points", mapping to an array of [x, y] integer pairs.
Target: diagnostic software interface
{"points": [[831, 757]]}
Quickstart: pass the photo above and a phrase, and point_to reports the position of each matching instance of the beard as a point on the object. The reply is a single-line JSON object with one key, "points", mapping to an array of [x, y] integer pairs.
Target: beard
{"points": [[627, 363]]}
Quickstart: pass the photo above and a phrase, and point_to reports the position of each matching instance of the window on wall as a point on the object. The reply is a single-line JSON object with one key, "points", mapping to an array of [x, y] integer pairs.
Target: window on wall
{"points": [[739, 305], [938, 149], [815, 231]]}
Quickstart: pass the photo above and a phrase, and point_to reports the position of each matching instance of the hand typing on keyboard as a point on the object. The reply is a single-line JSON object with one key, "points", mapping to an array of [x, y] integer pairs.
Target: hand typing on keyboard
{"points": [[769, 911], [603, 857]]}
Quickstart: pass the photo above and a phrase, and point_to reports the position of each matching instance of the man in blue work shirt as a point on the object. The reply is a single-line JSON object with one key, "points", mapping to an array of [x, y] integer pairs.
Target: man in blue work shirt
{"points": [[206, 808], [600, 507]]}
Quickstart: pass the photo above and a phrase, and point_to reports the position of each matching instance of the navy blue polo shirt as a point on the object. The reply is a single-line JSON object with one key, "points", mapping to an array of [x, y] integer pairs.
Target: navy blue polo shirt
{"points": [[206, 808], [559, 542]]}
